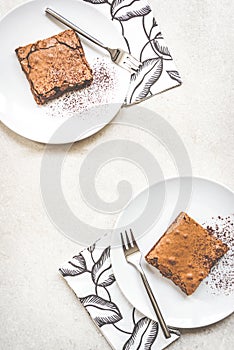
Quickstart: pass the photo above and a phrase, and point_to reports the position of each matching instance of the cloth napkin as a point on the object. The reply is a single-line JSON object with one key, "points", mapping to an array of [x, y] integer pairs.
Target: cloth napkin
{"points": [[135, 21], [90, 275]]}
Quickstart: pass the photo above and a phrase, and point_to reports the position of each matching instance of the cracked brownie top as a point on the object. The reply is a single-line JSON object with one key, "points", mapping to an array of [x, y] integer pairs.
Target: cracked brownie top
{"points": [[55, 65]]}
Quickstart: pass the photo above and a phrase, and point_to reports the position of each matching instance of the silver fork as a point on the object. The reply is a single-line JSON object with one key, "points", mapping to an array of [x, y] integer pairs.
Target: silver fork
{"points": [[118, 56], [133, 256]]}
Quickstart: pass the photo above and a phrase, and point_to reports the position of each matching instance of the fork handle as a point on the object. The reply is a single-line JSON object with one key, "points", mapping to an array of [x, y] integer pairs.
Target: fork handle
{"points": [[71, 25], [155, 305]]}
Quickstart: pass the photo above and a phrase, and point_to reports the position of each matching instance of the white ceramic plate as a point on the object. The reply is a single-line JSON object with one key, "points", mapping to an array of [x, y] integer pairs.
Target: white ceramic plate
{"points": [[18, 110], [208, 199]]}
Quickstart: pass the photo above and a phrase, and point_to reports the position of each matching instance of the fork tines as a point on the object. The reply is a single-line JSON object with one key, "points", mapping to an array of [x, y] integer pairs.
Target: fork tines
{"points": [[129, 244], [124, 59], [134, 64]]}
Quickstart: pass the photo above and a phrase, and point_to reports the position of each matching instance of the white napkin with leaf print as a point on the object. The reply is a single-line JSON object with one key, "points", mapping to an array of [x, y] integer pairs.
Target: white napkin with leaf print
{"points": [[135, 21], [90, 275]]}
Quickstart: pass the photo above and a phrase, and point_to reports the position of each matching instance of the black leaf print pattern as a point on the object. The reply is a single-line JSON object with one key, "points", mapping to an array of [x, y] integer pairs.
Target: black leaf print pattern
{"points": [[102, 274], [123, 10], [134, 332], [143, 335], [144, 78], [79, 261], [153, 47], [74, 267], [102, 311], [91, 248], [174, 75], [69, 272], [160, 48]]}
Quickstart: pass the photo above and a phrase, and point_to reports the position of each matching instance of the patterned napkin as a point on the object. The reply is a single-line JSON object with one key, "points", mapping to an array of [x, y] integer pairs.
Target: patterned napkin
{"points": [[91, 277], [135, 21]]}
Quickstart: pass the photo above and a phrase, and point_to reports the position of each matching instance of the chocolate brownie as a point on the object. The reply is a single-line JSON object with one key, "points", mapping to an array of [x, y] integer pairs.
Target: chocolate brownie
{"points": [[186, 253], [55, 65]]}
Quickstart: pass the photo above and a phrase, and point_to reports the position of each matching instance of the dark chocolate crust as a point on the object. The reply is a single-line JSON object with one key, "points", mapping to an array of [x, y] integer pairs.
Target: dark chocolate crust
{"points": [[186, 253], [55, 65]]}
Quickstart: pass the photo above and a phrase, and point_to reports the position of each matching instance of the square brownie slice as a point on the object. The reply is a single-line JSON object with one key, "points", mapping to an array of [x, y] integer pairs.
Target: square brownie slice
{"points": [[55, 65], [186, 253]]}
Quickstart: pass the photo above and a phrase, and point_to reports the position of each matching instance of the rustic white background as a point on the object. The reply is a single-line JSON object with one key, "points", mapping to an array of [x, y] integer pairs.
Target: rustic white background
{"points": [[37, 309]]}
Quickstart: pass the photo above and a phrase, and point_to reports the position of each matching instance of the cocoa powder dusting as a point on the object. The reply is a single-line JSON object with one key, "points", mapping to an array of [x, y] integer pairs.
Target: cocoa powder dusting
{"points": [[100, 92], [221, 278]]}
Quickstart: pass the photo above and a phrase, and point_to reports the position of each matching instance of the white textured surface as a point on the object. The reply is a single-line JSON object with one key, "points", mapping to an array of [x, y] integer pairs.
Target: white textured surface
{"points": [[37, 310]]}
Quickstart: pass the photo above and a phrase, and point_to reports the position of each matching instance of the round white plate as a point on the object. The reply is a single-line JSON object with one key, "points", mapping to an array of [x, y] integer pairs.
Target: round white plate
{"points": [[18, 110], [208, 199]]}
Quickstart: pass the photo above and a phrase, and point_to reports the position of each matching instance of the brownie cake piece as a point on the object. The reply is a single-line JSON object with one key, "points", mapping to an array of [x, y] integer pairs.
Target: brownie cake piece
{"points": [[186, 253], [55, 65]]}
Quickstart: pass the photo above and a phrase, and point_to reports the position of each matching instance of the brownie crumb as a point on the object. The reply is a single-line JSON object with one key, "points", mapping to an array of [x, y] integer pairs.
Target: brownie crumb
{"points": [[100, 92], [221, 278]]}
